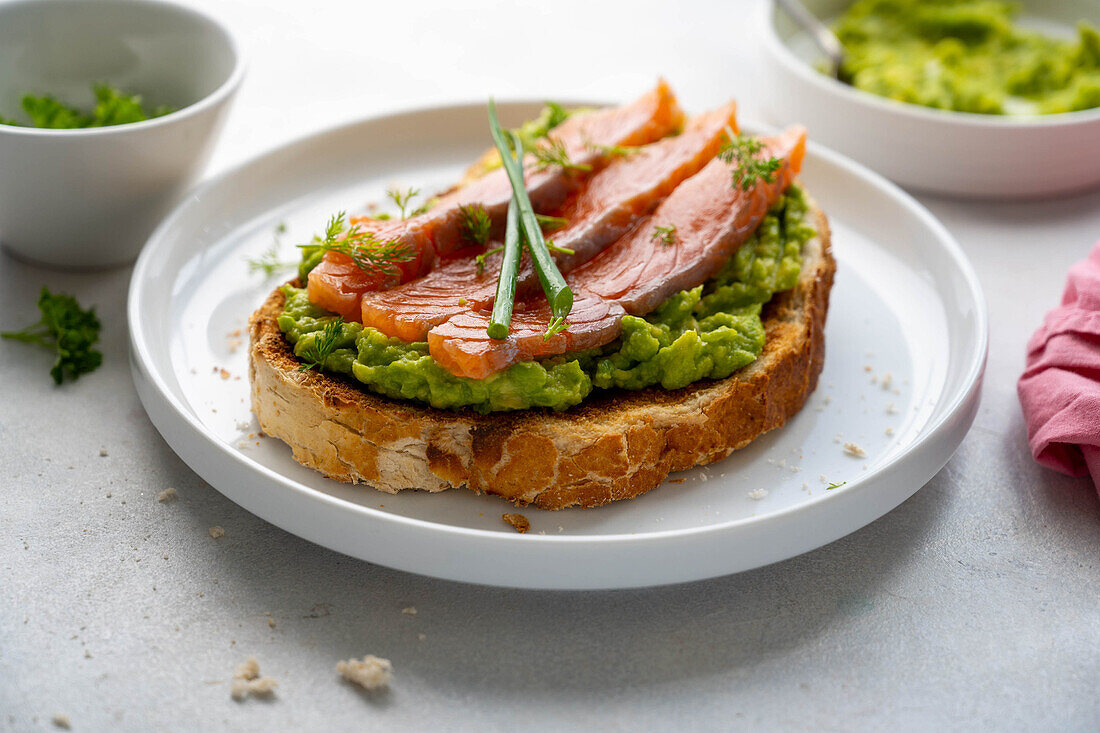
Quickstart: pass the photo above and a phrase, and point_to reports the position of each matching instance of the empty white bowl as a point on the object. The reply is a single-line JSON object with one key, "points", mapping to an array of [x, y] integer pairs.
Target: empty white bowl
{"points": [[959, 153], [90, 197]]}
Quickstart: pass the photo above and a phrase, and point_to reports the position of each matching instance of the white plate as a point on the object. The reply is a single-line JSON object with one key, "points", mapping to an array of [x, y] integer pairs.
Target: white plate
{"points": [[906, 303]]}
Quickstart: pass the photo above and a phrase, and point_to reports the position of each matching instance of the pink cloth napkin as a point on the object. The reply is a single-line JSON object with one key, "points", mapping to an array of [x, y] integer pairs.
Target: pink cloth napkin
{"points": [[1060, 388]]}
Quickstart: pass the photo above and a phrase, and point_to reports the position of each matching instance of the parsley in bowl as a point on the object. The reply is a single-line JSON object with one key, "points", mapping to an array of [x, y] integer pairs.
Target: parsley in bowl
{"points": [[112, 107], [92, 159]]}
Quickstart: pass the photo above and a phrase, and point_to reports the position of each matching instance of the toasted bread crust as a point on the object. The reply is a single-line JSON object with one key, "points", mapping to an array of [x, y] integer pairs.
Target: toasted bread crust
{"points": [[615, 445]]}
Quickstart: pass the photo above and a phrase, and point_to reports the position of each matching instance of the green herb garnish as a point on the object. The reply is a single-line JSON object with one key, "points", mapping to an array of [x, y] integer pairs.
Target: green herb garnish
{"points": [[323, 345], [112, 107], [613, 151], [557, 325], [664, 235], [832, 486], [559, 250], [501, 318], [480, 259], [475, 224], [371, 255], [553, 153], [553, 284], [67, 328], [551, 223], [268, 262], [744, 154]]}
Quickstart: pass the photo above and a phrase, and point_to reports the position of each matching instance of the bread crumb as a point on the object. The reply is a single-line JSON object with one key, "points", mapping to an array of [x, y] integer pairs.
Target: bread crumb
{"points": [[61, 720], [271, 622], [758, 494], [887, 380], [889, 431], [249, 670], [370, 672], [854, 450], [677, 480], [518, 521], [102, 452], [224, 374], [167, 495], [421, 637], [216, 531], [247, 681], [891, 409], [410, 611], [867, 368]]}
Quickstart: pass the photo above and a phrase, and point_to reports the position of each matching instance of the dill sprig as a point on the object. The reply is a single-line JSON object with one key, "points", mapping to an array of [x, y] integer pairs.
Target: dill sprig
{"points": [[475, 224], [402, 199], [379, 257], [613, 151], [480, 259], [664, 235], [553, 153], [268, 262], [743, 153], [318, 352], [834, 485]]}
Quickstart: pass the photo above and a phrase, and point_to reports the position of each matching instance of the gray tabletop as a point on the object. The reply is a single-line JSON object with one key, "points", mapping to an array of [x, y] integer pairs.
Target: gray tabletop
{"points": [[971, 606]]}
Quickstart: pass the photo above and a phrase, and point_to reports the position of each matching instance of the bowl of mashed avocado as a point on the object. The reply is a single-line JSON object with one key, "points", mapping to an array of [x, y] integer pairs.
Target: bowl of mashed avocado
{"points": [[979, 98]]}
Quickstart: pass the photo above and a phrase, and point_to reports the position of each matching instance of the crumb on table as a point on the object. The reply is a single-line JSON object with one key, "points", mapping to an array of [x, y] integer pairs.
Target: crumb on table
{"points": [[370, 672], [167, 495], [61, 720], [247, 681], [216, 531]]}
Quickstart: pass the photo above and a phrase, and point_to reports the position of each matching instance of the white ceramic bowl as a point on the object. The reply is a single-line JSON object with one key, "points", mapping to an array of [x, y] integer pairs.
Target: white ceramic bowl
{"points": [[989, 156], [91, 197]]}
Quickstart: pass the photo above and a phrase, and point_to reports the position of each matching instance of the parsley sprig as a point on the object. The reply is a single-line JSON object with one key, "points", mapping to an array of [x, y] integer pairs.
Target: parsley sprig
{"points": [[67, 328], [743, 153], [112, 107], [378, 257], [324, 343]]}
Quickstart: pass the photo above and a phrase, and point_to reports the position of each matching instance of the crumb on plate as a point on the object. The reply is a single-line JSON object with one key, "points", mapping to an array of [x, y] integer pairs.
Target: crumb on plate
{"points": [[518, 522]]}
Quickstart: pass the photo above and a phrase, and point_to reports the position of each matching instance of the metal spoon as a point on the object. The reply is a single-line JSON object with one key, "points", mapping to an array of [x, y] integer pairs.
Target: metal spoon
{"points": [[822, 36]]}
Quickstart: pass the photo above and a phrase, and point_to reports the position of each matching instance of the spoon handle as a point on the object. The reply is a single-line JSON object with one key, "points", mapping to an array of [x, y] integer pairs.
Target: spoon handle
{"points": [[825, 39]]}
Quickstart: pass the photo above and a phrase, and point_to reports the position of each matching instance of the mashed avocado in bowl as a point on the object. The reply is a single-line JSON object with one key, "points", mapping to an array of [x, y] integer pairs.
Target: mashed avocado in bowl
{"points": [[967, 56]]}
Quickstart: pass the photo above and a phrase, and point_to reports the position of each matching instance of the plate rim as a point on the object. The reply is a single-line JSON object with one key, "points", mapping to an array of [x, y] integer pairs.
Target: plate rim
{"points": [[144, 369]]}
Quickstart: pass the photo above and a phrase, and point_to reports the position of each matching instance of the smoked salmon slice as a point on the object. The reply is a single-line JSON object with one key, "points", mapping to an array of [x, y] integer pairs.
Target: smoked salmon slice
{"points": [[336, 284], [629, 188], [709, 216], [462, 346], [707, 220]]}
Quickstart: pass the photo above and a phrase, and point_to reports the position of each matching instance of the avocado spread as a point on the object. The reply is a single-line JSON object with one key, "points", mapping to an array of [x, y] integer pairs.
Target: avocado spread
{"points": [[967, 56], [707, 332]]}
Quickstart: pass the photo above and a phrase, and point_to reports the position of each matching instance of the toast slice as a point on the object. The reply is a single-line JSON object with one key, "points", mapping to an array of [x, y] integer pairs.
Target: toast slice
{"points": [[615, 445]]}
